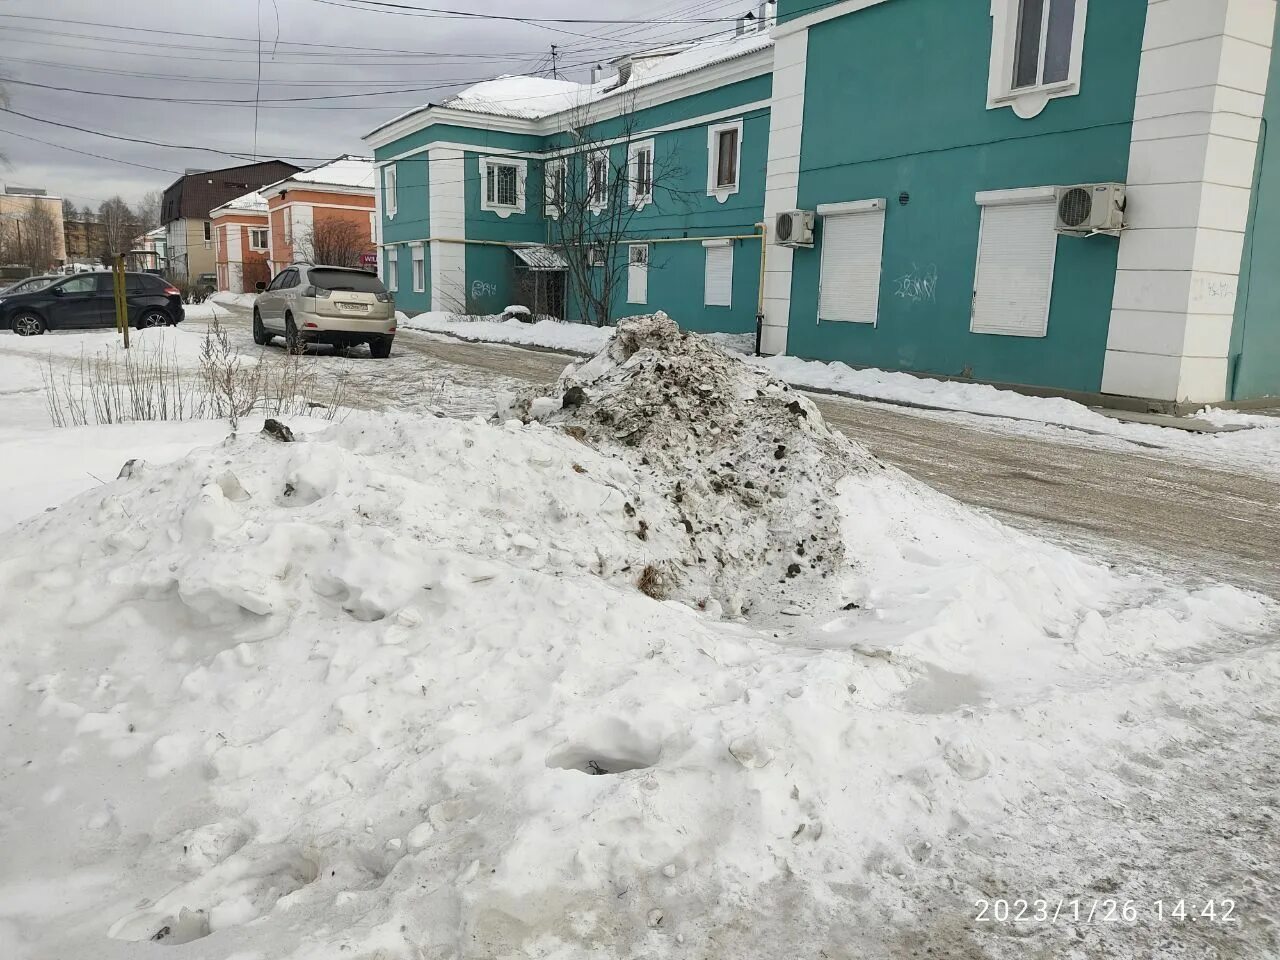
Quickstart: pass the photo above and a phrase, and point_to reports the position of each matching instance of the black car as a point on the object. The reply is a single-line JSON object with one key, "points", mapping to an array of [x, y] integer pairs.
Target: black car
{"points": [[88, 300]]}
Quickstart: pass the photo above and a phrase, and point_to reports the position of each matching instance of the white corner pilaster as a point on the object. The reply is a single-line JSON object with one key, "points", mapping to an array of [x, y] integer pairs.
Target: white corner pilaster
{"points": [[1201, 86], [782, 178], [446, 169]]}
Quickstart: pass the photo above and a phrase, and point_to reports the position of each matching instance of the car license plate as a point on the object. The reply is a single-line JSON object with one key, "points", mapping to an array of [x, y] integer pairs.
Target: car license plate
{"points": [[353, 307]]}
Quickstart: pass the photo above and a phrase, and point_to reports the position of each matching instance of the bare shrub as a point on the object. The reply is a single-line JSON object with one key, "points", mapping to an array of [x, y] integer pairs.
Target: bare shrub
{"points": [[654, 582]]}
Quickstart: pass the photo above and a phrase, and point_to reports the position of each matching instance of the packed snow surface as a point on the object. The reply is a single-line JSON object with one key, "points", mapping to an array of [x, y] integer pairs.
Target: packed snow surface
{"points": [[405, 688]]}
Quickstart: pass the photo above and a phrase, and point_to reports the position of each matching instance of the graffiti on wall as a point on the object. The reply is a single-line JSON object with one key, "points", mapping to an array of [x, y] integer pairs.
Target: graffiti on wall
{"points": [[480, 289], [918, 285]]}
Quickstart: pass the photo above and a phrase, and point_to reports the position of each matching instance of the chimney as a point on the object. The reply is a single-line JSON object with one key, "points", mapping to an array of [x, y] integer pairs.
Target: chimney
{"points": [[597, 73], [745, 25]]}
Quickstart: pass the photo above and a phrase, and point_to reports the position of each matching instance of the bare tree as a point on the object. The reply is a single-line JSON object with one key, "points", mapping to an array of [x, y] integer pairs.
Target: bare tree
{"points": [[148, 210], [68, 210], [334, 242], [594, 193], [119, 228], [30, 237], [87, 214]]}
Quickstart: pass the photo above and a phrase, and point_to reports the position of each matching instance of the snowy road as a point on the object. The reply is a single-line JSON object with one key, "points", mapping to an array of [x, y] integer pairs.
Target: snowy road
{"points": [[1111, 498]]}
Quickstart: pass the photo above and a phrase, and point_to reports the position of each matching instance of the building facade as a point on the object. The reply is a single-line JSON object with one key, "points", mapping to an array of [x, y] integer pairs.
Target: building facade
{"points": [[241, 243], [324, 214], [188, 201], [31, 229], [928, 140]]}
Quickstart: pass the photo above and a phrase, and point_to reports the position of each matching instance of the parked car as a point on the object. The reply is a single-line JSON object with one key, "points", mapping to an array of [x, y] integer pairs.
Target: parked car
{"points": [[341, 306], [88, 300], [29, 284]]}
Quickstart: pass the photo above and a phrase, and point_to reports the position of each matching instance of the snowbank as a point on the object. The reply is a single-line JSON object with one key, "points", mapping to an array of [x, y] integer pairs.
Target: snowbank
{"points": [[395, 689], [552, 334], [228, 299]]}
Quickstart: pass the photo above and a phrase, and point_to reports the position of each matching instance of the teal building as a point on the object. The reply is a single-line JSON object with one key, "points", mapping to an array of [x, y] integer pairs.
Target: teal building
{"points": [[1073, 195]]}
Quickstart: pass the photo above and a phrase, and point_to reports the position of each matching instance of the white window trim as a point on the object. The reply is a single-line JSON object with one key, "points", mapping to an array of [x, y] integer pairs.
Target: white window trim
{"points": [[999, 198], [286, 219], [503, 210], [717, 243], [265, 244], [601, 203], [713, 141], [393, 269], [390, 185], [1027, 102], [633, 151], [550, 170]]}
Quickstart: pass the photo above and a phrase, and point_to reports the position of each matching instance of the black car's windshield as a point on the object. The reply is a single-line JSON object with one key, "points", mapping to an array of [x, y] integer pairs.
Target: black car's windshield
{"points": [[357, 281]]}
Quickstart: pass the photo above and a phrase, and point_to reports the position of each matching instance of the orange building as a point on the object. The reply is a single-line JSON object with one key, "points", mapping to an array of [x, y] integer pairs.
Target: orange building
{"points": [[241, 243], [324, 215]]}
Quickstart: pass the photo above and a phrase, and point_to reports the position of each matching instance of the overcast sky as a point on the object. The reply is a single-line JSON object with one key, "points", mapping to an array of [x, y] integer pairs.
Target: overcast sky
{"points": [[62, 44]]}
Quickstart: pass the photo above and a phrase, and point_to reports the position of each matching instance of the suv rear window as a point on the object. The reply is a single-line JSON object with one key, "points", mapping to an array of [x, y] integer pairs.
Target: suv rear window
{"points": [[357, 281]]}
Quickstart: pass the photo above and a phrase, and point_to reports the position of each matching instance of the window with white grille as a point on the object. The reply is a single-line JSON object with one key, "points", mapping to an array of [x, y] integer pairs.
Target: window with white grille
{"points": [[554, 174], [502, 185], [638, 273], [1014, 278], [257, 238], [598, 180], [388, 190], [419, 270], [640, 173], [717, 288], [852, 241], [393, 269]]}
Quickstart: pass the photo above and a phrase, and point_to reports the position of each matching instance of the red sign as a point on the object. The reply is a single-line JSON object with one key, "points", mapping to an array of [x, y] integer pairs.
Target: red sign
{"points": [[368, 259]]}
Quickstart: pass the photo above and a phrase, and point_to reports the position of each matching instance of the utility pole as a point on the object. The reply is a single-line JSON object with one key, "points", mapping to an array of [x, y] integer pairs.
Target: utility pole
{"points": [[122, 302], [555, 52]]}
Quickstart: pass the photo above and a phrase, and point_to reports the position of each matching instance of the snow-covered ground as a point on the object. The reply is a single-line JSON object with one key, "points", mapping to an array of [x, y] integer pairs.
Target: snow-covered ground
{"points": [[397, 690], [552, 334]]}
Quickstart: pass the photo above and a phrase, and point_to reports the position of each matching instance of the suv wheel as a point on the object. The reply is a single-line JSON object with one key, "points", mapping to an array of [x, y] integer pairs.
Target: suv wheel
{"points": [[28, 325], [380, 348], [292, 342], [259, 331], [153, 318]]}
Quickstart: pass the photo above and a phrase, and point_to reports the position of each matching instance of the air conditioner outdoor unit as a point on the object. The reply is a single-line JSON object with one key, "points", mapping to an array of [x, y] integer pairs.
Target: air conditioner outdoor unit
{"points": [[1091, 208], [793, 228]]}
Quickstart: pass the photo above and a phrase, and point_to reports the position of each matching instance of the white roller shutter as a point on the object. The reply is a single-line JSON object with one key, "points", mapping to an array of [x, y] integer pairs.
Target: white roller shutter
{"points": [[638, 273], [1014, 280], [717, 288], [852, 248]]}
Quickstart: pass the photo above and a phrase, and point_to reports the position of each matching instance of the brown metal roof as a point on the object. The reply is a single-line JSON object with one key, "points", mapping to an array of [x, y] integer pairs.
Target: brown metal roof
{"points": [[196, 194]]}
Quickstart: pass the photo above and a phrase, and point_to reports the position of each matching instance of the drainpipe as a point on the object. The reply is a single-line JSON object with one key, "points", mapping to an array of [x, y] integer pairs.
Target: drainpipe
{"points": [[764, 246]]}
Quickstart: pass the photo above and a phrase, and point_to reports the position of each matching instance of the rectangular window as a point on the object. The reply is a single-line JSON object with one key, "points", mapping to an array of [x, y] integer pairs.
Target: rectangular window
{"points": [[500, 184], [640, 173], [393, 269], [595, 255], [257, 238], [419, 270], [724, 159], [555, 186], [208, 230], [852, 247], [717, 288], [1042, 52], [388, 190], [598, 180], [1014, 277], [638, 273]]}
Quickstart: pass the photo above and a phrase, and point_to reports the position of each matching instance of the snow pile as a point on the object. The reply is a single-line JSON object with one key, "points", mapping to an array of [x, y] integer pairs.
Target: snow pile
{"points": [[227, 299], [552, 334], [745, 466], [394, 689]]}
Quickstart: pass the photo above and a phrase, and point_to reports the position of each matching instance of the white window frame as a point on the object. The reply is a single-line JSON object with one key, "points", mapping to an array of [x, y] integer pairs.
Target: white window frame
{"points": [[373, 226], [286, 218], [393, 269], [266, 239], [638, 273], [389, 190], [722, 193], [634, 196], [1003, 198], [595, 255], [1027, 102], [553, 170], [717, 245], [208, 231], [418, 252], [597, 202], [503, 210], [853, 208]]}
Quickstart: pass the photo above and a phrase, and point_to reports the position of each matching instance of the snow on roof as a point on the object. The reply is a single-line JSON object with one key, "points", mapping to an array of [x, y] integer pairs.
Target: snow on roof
{"points": [[346, 171], [253, 202], [533, 98]]}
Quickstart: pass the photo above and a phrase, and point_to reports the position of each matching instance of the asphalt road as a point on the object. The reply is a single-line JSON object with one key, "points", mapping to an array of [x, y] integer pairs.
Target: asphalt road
{"points": [[1136, 505]]}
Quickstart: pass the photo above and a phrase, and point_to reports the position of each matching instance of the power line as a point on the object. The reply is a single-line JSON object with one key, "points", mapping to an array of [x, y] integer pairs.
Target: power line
{"points": [[86, 153], [447, 14]]}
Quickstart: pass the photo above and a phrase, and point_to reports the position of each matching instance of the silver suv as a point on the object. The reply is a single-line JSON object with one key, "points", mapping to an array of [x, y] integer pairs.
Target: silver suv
{"points": [[341, 306]]}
